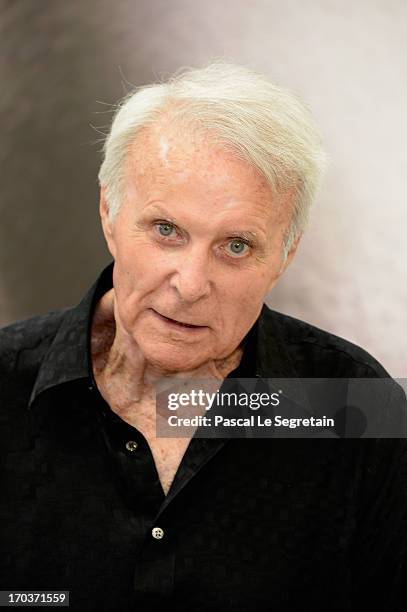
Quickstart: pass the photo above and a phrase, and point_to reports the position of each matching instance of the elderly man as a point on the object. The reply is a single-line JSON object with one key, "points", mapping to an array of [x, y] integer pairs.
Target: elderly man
{"points": [[206, 184]]}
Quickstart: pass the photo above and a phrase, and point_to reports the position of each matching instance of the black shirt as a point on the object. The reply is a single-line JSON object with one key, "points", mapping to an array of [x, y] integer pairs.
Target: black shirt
{"points": [[248, 524]]}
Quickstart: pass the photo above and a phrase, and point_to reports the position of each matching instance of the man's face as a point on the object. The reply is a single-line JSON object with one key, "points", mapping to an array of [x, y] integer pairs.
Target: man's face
{"points": [[197, 241]]}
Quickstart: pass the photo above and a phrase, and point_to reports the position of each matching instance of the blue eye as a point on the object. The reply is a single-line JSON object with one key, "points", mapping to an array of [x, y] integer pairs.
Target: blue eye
{"points": [[165, 229], [238, 247]]}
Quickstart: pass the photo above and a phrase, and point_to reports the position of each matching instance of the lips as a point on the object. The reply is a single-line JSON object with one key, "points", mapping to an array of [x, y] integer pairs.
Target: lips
{"points": [[179, 323]]}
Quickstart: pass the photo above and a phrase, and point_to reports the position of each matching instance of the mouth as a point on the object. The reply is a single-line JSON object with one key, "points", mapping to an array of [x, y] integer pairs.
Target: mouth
{"points": [[179, 324]]}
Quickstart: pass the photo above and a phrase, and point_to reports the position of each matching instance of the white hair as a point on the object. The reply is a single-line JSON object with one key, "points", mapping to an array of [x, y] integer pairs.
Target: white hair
{"points": [[264, 124]]}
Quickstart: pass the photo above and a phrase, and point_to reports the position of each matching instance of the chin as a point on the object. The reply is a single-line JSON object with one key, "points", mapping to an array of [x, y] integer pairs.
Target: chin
{"points": [[173, 359]]}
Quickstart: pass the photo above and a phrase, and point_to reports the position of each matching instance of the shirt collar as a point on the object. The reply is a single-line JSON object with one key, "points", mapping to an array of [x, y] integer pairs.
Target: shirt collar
{"points": [[273, 360], [69, 356]]}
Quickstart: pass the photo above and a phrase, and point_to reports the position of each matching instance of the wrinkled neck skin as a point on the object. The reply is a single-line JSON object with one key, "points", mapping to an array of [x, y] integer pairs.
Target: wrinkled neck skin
{"points": [[122, 371]]}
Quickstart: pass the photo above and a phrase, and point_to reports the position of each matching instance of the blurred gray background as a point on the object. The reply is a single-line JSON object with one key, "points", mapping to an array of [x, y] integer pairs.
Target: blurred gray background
{"points": [[63, 63]]}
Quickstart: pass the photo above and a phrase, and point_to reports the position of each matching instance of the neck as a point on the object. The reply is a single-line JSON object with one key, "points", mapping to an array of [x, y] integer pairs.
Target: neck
{"points": [[123, 371]]}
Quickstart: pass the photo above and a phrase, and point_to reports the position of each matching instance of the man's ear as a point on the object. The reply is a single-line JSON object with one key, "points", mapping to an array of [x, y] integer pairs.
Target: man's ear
{"points": [[286, 262], [290, 254], [106, 223]]}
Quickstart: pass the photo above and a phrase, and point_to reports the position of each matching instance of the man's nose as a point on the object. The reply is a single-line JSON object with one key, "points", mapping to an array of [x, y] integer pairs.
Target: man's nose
{"points": [[191, 279]]}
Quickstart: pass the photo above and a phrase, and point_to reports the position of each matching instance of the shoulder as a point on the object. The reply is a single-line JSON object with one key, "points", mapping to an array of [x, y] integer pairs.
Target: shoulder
{"points": [[28, 340], [317, 352]]}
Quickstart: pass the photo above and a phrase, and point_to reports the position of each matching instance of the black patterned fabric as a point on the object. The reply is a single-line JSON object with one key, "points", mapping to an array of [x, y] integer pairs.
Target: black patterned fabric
{"points": [[248, 524]]}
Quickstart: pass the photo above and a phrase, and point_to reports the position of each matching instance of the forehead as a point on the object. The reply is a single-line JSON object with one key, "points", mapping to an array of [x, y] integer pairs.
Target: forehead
{"points": [[168, 159], [179, 153]]}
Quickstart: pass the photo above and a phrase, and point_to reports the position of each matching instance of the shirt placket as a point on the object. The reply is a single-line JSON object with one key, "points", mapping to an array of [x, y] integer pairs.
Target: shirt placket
{"points": [[138, 480]]}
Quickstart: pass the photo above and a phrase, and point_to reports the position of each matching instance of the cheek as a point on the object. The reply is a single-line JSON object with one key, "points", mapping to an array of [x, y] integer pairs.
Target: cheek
{"points": [[249, 289], [139, 284], [143, 256], [243, 300], [141, 263]]}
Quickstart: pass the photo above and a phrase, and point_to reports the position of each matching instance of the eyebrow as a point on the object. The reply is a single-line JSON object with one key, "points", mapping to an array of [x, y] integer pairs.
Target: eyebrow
{"points": [[248, 234], [161, 211]]}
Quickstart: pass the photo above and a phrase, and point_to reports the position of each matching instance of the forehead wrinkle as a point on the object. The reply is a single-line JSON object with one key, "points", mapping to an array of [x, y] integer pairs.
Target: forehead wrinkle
{"points": [[255, 213]]}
